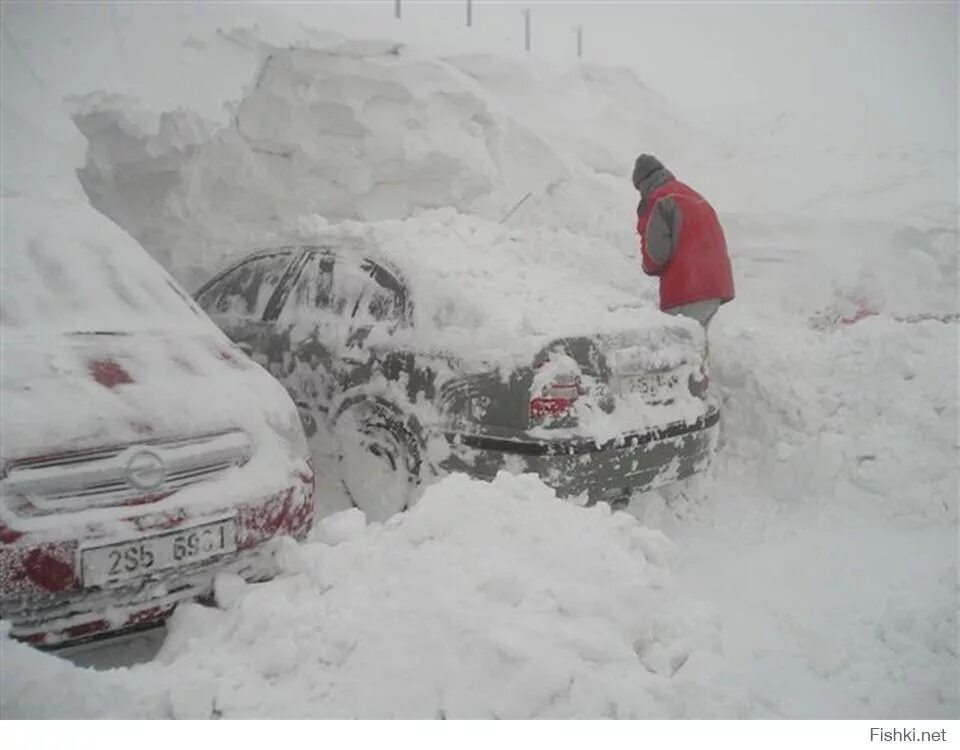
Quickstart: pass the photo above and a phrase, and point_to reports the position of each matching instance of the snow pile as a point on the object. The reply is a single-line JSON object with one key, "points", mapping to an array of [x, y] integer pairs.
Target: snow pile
{"points": [[865, 416], [584, 101], [472, 280], [827, 614], [865, 411], [486, 600], [829, 539], [362, 131]]}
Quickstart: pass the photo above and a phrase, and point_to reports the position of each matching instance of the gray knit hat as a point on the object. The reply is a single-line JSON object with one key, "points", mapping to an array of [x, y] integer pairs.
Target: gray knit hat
{"points": [[645, 166]]}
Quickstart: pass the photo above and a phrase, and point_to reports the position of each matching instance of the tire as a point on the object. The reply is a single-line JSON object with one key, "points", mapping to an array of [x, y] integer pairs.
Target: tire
{"points": [[381, 456]]}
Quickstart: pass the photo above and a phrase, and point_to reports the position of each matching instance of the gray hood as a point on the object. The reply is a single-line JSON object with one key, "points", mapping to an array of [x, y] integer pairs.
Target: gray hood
{"points": [[654, 180], [651, 183], [649, 174], [643, 167]]}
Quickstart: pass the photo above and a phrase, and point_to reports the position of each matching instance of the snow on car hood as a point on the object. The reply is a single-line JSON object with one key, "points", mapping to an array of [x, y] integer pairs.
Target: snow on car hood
{"points": [[82, 391], [478, 286], [75, 392]]}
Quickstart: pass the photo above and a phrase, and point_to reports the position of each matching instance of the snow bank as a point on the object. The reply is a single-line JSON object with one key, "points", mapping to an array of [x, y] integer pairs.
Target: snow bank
{"points": [[361, 131], [366, 130], [28, 675], [486, 600], [473, 280], [864, 414], [604, 116], [828, 538]]}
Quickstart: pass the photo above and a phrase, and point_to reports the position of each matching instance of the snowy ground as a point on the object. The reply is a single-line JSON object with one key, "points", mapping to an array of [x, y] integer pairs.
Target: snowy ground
{"points": [[814, 574], [829, 542]]}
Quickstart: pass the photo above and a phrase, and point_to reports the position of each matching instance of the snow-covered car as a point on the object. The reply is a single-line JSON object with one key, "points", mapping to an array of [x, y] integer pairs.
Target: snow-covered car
{"points": [[410, 385], [143, 453]]}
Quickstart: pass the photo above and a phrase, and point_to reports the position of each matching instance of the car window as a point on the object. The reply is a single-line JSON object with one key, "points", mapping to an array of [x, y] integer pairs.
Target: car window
{"points": [[246, 289], [314, 285], [367, 292]]}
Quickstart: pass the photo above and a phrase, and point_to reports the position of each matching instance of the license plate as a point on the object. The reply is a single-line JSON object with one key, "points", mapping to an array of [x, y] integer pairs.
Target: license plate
{"points": [[648, 385], [137, 558]]}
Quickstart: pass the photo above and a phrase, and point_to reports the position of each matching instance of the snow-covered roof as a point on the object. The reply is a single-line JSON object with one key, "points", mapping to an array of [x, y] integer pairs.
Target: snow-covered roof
{"points": [[476, 284]]}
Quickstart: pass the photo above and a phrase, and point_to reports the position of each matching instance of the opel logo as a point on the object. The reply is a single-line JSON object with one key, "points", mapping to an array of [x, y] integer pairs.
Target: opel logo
{"points": [[145, 470]]}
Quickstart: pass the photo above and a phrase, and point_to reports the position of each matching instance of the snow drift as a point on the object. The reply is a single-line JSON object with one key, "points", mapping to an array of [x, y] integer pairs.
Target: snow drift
{"points": [[586, 100], [472, 280], [355, 131], [485, 601]]}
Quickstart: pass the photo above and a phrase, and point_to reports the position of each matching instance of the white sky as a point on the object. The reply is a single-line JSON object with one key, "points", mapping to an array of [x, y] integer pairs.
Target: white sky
{"points": [[884, 72]]}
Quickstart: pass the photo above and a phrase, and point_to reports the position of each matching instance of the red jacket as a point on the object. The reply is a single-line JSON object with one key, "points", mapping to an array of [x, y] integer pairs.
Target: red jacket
{"points": [[698, 268]]}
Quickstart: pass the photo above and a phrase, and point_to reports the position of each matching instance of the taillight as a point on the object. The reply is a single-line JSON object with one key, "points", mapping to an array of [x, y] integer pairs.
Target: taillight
{"points": [[556, 398]]}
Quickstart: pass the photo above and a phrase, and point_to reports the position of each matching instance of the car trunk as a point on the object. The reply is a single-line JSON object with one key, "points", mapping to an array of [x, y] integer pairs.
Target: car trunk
{"points": [[594, 385]]}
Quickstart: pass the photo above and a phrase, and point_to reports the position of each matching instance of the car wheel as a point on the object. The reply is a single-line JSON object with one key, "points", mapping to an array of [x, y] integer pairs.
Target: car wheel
{"points": [[380, 457]]}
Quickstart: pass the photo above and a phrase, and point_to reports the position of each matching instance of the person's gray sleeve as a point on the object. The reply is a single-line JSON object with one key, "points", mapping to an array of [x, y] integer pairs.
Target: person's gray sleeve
{"points": [[663, 230]]}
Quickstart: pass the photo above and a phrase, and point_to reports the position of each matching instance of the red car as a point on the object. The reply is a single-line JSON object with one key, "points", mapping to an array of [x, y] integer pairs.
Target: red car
{"points": [[142, 453]]}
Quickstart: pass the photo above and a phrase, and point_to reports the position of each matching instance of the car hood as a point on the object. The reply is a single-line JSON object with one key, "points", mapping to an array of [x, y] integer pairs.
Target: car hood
{"points": [[67, 392]]}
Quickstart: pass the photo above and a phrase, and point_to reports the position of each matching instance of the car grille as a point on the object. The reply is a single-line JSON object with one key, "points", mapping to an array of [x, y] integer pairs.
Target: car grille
{"points": [[125, 475]]}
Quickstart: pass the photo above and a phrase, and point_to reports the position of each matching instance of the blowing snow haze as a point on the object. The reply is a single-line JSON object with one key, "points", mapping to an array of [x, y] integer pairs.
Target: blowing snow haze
{"points": [[840, 107]]}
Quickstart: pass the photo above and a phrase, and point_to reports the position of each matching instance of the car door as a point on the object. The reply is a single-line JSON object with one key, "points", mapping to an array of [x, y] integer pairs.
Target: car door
{"points": [[371, 298], [307, 334], [376, 308]]}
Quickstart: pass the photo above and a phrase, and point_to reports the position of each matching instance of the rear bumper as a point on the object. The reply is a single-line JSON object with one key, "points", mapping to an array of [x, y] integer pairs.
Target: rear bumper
{"points": [[597, 470], [55, 610]]}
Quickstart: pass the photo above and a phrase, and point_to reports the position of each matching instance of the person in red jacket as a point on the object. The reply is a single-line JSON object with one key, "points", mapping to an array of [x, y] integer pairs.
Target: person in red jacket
{"points": [[681, 242]]}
